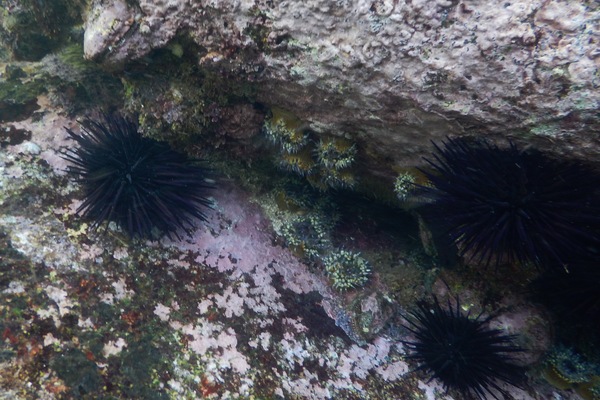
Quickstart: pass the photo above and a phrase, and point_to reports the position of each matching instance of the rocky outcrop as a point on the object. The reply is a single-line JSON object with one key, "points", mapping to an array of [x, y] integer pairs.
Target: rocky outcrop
{"points": [[390, 74]]}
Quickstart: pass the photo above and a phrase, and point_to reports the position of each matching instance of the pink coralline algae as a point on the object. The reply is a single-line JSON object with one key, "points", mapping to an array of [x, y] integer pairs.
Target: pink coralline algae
{"points": [[237, 241]]}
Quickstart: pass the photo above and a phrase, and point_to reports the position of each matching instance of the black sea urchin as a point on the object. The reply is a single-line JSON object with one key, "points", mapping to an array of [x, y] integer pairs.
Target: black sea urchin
{"points": [[509, 205], [137, 182], [462, 352]]}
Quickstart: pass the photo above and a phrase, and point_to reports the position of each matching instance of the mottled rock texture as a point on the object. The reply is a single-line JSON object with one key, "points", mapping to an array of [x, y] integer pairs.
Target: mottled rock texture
{"points": [[391, 74]]}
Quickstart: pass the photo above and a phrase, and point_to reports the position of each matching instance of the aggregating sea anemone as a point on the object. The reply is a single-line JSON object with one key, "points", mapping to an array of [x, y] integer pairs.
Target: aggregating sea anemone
{"points": [[286, 130], [335, 153], [139, 183], [462, 351], [404, 185], [347, 270], [569, 366], [509, 205], [326, 163]]}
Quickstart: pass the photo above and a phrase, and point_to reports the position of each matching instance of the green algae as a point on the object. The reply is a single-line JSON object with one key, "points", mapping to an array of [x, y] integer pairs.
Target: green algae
{"points": [[138, 366], [65, 77], [77, 371], [34, 28], [81, 85], [18, 98]]}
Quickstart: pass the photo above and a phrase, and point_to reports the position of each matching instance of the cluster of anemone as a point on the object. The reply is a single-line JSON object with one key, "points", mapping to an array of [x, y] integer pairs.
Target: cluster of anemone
{"points": [[306, 227], [304, 221], [141, 184], [326, 163], [335, 179], [335, 157], [508, 205], [287, 132], [462, 351], [347, 270], [300, 163]]}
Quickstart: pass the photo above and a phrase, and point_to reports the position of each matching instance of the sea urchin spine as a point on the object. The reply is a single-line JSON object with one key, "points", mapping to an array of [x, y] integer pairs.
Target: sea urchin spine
{"points": [[512, 205], [139, 183], [462, 352]]}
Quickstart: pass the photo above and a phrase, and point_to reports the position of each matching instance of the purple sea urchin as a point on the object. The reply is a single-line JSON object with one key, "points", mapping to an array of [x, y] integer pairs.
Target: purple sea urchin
{"points": [[137, 182], [462, 352], [509, 205]]}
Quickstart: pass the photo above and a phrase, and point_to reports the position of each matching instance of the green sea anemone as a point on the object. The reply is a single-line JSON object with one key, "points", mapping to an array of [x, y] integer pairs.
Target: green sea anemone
{"points": [[347, 270]]}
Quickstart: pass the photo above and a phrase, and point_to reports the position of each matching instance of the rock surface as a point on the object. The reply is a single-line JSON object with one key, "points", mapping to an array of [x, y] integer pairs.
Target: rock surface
{"points": [[243, 307], [392, 75], [224, 313]]}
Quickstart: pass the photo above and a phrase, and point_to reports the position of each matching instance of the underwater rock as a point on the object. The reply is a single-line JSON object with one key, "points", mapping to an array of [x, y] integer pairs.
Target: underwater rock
{"points": [[105, 24], [403, 72]]}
